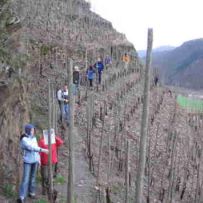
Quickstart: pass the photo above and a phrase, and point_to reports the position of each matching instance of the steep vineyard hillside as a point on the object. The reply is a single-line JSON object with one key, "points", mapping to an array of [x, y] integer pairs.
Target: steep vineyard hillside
{"points": [[37, 40]]}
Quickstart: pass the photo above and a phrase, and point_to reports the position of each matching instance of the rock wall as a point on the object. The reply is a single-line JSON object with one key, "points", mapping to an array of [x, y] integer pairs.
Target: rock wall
{"points": [[36, 39], [13, 115]]}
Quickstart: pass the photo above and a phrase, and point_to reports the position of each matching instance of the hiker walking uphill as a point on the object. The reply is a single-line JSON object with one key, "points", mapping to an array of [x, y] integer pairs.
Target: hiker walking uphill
{"points": [[60, 102], [76, 79], [31, 158], [126, 60], [56, 143], [65, 98], [156, 80], [108, 62], [90, 75], [99, 67]]}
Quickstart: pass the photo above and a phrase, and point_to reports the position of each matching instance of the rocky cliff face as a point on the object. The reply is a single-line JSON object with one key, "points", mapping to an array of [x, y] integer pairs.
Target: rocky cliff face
{"points": [[13, 115], [13, 96], [37, 38]]}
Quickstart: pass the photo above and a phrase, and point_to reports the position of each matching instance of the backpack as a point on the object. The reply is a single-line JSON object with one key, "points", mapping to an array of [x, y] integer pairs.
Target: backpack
{"points": [[22, 136]]}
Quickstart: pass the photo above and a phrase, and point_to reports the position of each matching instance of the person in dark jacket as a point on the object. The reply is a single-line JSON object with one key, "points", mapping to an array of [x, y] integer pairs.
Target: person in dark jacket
{"points": [[108, 62], [76, 79], [60, 102], [156, 80], [99, 67], [31, 158], [90, 75]]}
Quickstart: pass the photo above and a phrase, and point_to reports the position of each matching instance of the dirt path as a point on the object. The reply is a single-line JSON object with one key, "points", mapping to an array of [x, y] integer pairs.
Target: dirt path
{"points": [[84, 180]]}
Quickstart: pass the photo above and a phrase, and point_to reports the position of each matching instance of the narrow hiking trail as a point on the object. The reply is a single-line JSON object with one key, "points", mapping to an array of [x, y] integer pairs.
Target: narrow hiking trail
{"points": [[83, 179], [108, 116], [86, 186]]}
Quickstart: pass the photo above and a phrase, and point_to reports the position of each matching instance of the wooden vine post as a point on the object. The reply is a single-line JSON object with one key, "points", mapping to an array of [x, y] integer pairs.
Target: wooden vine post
{"points": [[50, 174], [144, 125], [70, 188]]}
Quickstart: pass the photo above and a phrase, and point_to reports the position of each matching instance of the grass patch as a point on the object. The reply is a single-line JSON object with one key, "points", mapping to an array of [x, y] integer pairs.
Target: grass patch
{"points": [[41, 201], [38, 179], [59, 179], [62, 200], [116, 189], [191, 104], [9, 191]]}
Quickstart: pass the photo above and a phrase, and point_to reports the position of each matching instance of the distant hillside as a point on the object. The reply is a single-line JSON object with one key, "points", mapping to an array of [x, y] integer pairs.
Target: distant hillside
{"points": [[142, 53], [182, 66]]}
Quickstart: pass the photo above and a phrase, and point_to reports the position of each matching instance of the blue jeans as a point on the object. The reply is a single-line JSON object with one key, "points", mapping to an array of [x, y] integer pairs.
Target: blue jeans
{"points": [[66, 112], [28, 180], [76, 89], [100, 77], [61, 109]]}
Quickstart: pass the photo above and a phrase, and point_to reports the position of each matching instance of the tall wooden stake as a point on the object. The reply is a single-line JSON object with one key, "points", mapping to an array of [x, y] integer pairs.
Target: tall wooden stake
{"points": [[54, 109], [100, 153], [70, 192], [86, 66], [144, 125], [50, 147], [127, 172]]}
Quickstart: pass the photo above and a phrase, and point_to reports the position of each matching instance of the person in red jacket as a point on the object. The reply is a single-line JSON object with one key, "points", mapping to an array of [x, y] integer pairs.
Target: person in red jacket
{"points": [[44, 160]]}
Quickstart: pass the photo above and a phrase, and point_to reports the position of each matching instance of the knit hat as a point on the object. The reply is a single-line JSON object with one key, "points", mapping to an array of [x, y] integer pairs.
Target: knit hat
{"points": [[76, 68], [28, 128]]}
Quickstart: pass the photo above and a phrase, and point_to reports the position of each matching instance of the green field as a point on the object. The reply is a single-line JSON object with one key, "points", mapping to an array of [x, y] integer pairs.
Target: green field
{"points": [[191, 104]]}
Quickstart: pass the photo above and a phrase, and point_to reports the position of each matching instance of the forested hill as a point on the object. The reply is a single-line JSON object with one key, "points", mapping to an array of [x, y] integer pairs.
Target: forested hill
{"points": [[182, 66]]}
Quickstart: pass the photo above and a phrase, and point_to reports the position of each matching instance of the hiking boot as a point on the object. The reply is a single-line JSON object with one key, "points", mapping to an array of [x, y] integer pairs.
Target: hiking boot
{"points": [[32, 196], [20, 201]]}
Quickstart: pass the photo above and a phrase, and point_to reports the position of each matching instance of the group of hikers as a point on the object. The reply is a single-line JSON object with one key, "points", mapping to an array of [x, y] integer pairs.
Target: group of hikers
{"points": [[91, 73], [35, 152], [97, 69]]}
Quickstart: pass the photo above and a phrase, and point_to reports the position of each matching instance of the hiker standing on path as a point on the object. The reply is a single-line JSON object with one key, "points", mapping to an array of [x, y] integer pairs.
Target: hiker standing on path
{"points": [[65, 97], [108, 62], [60, 102], [156, 80], [126, 60], [43, 142], [31, 158], [99, 67], [76, 79], [90, 75]]}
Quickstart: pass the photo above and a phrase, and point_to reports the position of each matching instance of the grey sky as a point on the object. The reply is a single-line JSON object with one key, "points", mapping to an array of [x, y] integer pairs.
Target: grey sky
{"points": [[173, 21]]}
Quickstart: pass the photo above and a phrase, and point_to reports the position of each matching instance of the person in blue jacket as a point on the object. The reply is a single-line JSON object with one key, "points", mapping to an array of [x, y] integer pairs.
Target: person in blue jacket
{"points": [[31, 159], [99, 67], [90, 75]]}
